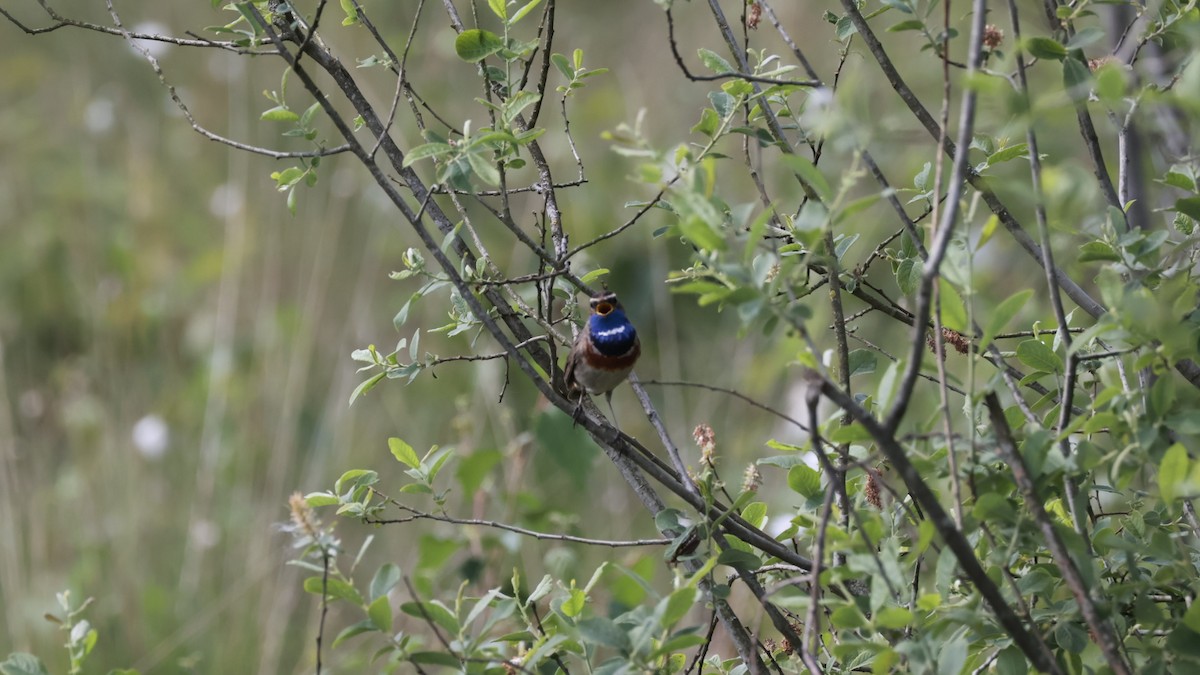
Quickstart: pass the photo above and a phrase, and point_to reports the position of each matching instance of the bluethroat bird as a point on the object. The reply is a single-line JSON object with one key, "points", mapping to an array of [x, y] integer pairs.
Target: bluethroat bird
{"points": [[604, 352]]}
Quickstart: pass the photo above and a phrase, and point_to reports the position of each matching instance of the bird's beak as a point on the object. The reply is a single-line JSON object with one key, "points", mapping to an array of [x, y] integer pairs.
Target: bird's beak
{"points": [[604, 308]]}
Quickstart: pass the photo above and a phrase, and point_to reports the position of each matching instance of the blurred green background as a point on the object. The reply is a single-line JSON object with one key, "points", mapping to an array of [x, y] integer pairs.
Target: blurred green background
{"points": [[174, 345]]}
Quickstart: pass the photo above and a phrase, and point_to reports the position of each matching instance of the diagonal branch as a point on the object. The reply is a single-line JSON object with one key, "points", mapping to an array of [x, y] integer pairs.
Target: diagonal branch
{"points": [[941, 242], [1035, 650], [1101, 630]]}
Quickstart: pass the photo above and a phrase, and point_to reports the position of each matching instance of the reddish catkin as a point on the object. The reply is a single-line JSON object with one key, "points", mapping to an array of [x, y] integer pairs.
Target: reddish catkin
{"points": [[753, 15], [993, 36], [871, 491], [951, 337]]}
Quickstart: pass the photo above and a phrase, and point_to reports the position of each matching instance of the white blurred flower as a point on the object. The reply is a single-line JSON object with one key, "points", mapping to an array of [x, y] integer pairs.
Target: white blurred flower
{"points": [[204, 534], [226, 200], [151, 436], [156, 48], [99, 115]]}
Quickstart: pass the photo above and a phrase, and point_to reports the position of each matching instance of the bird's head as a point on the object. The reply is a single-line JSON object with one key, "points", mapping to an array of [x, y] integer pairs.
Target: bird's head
{"points": [[608, 324]]}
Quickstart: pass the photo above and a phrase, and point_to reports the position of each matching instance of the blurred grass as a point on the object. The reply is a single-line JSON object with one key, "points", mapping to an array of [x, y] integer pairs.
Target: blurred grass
{"points": [[149, 274]]}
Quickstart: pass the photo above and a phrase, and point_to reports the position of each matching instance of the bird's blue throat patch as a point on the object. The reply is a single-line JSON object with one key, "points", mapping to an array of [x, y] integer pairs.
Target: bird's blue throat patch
{"points": [[612, 335]]}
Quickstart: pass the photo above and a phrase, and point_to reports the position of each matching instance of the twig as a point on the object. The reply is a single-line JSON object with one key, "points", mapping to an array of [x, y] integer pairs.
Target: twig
{"points": [[626, 225], [546, 536], [700, 385], [811, 630], [1101, 630], [734, 75], [324, 603], [1035, 651], [945, 229]]}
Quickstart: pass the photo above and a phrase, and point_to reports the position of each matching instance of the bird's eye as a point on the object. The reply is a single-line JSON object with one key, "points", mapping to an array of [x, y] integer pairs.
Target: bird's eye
{"points": [[604, 308]]}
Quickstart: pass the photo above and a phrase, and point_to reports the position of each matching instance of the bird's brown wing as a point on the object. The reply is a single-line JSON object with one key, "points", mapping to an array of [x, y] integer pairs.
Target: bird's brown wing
{"points": [[569, 371]]}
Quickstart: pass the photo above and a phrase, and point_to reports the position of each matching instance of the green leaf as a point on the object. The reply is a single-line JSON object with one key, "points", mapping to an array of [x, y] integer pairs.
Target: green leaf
{"points": [[380, 613], [696, 230], [737, 88], [279, 114], [715, 62], [755, 513], [1002, 314], [357, 478], [604, 632], [316, 499], [594, 275], [520, 13], [1045, 48], [1191, 618], [708, 124], [844, 28], [847, 616], [954, 312], [436, 659], [677, 643], [1181, 181], [991, 507], [492, 139], [1011, 662], [306, 118], [1172, 472], [404, 453], [575, 602], [366, 386], [1098, 251], [564, 65], [893, 617], [1035, 354], [701, 572], [475, 468], [953, 656], [435, 551], [809, 175], [1189, 206], [888, 385], [851, 433], [1110, 83], [741, 559], [921, 180], [676, 605], [1070, 637], [722, 103], [438, 612], [350, 12], [1085, 37], [1005, 154], [804, 480], [384, 581], [525, 138], [20, 663], [435, 459], [351, 631], [289, 176], [484, 168], [885, 662], [908, 275], [499, 8], [334, 588], [476, 44], [862, 362], [427, 150], [1184, 641], [1077, 79], [910, 24], [518, 103]]}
